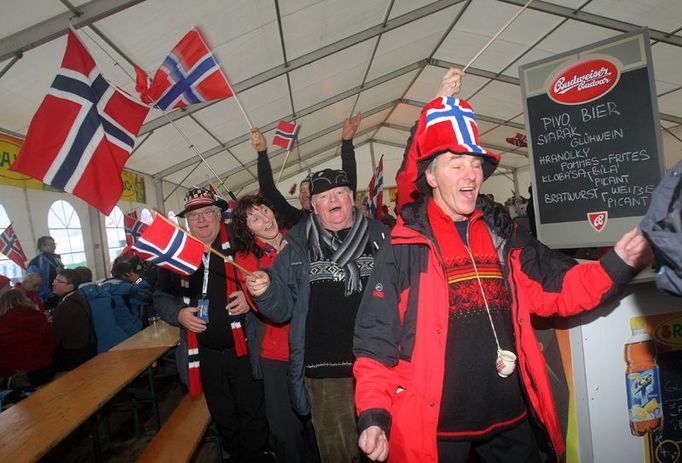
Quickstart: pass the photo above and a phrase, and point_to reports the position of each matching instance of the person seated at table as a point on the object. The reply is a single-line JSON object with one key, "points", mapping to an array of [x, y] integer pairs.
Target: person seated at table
{"points": [[29, 286], [85, 275], [130, 293], [74, 334], [26, 341], [259, 240]]}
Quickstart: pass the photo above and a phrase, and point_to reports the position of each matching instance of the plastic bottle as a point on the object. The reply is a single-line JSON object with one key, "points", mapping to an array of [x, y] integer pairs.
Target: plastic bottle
{"points": [[642, 381]]}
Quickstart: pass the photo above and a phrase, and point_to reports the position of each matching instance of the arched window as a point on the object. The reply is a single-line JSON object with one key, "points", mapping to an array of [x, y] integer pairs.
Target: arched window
{"points": [[65, 228], [7, 267], [116, 236]]}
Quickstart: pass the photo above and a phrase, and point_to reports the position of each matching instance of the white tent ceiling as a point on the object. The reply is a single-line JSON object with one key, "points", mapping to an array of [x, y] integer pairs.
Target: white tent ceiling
{"points": [[317, 61]]}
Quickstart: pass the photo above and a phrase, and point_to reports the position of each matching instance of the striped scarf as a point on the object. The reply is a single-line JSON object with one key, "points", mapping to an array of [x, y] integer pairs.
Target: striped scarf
{"points": [[343, 253], [235, 324]]}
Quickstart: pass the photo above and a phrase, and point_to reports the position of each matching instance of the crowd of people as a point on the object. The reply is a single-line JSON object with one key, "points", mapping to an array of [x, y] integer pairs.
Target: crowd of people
{"points": [[339, 338]]}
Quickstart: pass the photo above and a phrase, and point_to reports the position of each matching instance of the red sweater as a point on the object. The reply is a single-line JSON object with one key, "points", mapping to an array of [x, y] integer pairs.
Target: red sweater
{"points": [[275, 345], [26, 341]]}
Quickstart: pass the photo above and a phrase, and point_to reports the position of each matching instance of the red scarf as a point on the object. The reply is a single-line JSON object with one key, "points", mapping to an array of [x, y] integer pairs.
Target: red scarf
{"points": [[236, 326]]}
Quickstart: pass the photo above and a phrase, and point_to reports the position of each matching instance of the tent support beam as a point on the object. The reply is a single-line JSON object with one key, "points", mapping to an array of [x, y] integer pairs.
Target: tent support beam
{"points": [[55, 27]]}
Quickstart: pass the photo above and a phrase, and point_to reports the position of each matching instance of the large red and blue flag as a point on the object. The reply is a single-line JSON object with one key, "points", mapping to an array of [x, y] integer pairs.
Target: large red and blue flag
{"points": [[376, 191], [83, 132], [11, 248], [165, 245], [190, 74], [285, 135]]}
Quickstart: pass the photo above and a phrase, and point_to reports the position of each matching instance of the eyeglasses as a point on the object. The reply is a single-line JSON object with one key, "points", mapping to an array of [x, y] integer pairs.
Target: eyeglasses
{"points": [[194, 216]]}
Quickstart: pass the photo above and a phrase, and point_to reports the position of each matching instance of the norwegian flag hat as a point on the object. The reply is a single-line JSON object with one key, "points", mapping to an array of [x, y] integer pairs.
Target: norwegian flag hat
{"points": [[196, 198], [449, 124]]}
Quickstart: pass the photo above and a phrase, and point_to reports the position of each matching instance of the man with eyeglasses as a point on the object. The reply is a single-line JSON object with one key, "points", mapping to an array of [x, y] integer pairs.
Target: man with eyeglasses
{"points": [[74, 335], [213, 310]]}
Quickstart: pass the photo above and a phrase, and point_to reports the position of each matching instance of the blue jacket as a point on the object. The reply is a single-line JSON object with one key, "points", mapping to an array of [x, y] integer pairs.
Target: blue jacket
{"points": [[115, 306], [46, 265]]}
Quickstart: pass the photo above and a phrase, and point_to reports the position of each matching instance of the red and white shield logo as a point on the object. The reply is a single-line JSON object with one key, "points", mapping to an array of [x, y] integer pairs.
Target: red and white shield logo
{"points": [[598, 219]]}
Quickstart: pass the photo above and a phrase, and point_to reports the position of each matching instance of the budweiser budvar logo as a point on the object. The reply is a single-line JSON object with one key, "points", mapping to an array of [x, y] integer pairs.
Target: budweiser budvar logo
{"points": [[584, 81]]}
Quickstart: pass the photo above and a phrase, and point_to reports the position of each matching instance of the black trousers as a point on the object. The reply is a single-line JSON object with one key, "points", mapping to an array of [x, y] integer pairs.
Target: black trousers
{"points": [[294, 435], [515, 445], [236, 403]]}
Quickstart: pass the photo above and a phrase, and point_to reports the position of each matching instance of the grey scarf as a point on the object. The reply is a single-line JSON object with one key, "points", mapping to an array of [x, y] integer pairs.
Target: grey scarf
{"points": [[344, 253]]}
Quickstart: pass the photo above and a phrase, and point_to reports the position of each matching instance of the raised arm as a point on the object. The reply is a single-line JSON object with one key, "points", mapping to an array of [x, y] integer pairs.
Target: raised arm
{"points": [[406, 177], [288, 213], [348, 163]]}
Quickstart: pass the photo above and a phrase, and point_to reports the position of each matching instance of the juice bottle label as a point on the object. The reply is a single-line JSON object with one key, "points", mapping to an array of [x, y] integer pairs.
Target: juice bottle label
{"points": [[644, 395]]}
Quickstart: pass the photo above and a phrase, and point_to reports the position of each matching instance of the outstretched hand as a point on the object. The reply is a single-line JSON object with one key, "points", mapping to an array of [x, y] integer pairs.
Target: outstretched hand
{"points": [[634, 249], [350, 126], [451, 83], [258, 140]]}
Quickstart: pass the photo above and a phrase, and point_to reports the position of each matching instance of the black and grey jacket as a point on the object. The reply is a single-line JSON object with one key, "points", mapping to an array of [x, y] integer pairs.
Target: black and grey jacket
{"points": [[286, 299]]}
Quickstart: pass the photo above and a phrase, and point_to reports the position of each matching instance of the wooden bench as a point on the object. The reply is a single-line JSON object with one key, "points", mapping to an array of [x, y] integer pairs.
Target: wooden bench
{"points": [[29, 429], [181, 434]]}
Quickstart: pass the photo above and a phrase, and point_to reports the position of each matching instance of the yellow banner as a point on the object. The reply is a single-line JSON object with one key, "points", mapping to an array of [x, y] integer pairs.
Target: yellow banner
{"points": [[133, 184], [9, 149], [133, 187]]}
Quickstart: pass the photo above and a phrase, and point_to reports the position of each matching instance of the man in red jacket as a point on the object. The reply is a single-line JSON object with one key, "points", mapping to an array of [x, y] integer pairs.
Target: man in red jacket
{"points": [[438, 335]]}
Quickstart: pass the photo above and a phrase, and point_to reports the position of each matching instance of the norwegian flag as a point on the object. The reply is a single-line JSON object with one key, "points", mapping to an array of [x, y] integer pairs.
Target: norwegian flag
{"points": [[376, 191], [83, 132], [190, 74], [285, 134], [167, 246], [519, 140], [11, 248], [133, 228]]}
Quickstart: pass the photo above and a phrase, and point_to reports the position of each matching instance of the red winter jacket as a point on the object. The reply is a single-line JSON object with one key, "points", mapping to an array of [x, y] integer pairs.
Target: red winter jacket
{"points": [[26, 341], [275, 344], [401, 327]]}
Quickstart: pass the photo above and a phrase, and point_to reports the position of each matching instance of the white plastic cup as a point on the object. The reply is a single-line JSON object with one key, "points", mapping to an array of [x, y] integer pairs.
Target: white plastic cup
{"points": [[506, 363]]}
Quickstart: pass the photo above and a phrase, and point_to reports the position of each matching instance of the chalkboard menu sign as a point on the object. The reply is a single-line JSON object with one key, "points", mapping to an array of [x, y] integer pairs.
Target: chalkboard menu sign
{"points": [[595, 148]]}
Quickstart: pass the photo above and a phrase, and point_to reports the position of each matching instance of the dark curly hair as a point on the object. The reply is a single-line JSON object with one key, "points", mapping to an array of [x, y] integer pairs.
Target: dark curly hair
{"points": [[245, 240]]}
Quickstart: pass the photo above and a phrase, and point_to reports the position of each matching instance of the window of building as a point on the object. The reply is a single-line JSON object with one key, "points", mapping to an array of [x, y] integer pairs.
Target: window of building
{"points": [[7, 267], [116, 237], [65, 228]]}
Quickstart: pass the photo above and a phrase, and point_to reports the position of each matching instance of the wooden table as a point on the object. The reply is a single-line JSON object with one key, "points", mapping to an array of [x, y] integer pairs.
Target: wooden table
{"points": [[29, 429], [160, 334]]}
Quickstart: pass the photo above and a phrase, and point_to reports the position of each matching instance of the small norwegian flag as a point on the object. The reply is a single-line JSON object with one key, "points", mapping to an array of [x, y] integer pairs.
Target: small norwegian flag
{"points": [[376, 191], [519, 140], [168, 246], [11, 248], [133, 228], [285, 134]]}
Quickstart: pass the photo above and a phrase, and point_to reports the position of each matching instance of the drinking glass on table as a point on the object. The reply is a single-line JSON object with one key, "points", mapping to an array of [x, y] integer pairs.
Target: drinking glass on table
{"points": [[154, 322]]}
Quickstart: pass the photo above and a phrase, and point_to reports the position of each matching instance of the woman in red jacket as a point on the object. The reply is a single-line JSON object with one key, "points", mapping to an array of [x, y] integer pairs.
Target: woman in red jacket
{"points": [[259, 240], [26, 340]]}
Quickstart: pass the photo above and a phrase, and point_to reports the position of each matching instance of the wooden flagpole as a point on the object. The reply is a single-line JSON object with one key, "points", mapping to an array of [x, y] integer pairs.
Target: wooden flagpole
{"points": [[283, 166], [504, 28]]}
